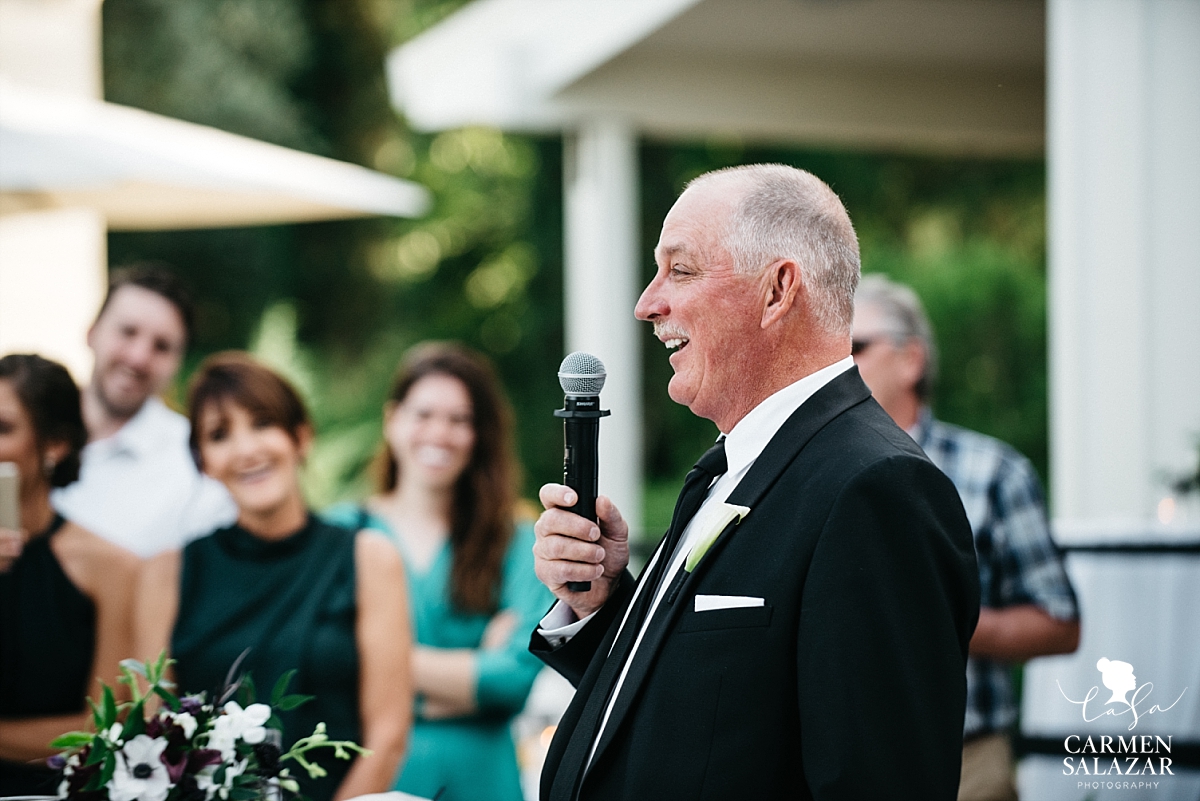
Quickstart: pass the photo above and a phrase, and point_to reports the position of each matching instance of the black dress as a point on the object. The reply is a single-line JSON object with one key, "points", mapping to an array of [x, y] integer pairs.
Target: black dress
{"points": [[47, 644], [292, 604]]}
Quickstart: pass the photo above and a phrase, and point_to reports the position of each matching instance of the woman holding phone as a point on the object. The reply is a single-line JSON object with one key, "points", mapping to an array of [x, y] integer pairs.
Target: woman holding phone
{"points": [[65, 594]]}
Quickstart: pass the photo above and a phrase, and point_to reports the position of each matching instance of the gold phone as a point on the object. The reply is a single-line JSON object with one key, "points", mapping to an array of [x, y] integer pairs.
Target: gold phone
{"points": [[10, 485]]}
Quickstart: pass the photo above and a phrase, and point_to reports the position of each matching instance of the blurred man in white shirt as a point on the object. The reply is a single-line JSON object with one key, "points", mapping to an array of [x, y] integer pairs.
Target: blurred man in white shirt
{"points": [[139, 486]]}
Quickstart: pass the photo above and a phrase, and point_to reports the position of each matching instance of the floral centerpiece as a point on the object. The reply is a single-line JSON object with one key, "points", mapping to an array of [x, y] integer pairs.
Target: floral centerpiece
{"points": [[187, 749]]}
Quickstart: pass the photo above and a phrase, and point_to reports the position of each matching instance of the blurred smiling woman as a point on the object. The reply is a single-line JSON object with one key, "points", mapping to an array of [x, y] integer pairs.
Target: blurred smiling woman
{"points": [[297, 592], [447, 492], [65, 594]]}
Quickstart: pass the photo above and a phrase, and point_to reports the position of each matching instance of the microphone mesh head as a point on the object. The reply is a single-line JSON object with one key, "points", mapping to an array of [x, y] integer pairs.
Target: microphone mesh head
{"points": [[581, 374]]}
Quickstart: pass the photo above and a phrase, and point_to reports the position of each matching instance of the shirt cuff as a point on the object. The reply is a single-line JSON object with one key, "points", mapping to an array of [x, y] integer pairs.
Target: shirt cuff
{"points": [[560, 624]]}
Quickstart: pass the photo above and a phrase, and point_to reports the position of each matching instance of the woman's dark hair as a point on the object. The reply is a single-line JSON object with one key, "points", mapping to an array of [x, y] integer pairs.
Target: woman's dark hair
{"points": [[51, 398], [481, 523], [235, 377]]}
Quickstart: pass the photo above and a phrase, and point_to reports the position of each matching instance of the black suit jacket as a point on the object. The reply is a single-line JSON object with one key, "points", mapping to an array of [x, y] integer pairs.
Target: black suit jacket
{"points": [[848, 683]]}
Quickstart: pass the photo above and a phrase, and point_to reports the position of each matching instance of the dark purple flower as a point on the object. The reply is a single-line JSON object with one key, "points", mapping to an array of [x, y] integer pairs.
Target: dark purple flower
{"points": [[201, 758], [268, 758], [176, 764], [156, 726], [192, 704], [181, 762], [80, 777]]}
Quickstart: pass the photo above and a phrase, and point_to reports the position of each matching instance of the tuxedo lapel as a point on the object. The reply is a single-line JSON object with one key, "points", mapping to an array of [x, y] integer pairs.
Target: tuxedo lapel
{"points": [[814, 414], [831, 400], [562, 784]]}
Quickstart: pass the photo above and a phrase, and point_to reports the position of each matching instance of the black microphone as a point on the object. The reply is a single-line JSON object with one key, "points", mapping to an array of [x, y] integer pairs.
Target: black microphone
{"points": [[581, 376]]}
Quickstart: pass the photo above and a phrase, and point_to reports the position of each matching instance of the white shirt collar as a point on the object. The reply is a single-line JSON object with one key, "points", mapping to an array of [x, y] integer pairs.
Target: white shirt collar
{"points": [[142, 433], [752, 433]]}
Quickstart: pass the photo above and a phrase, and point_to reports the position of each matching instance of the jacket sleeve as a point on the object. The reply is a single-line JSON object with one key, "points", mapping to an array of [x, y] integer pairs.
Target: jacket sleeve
{"points": [[889, 607], [571, 659]]}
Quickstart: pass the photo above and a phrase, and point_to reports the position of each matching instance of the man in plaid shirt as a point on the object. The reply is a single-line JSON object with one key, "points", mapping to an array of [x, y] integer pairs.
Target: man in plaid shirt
{"points": [[1028, 606]]}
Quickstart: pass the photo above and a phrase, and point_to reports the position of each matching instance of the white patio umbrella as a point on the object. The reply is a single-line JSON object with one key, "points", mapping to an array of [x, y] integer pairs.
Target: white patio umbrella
{"points": [[143, 171]]}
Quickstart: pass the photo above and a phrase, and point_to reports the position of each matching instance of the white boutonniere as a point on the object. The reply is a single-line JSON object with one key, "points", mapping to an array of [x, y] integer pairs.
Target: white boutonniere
{"points": [[725, 515]]}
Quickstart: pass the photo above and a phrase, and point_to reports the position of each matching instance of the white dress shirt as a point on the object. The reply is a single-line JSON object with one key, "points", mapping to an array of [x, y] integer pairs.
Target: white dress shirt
{"points": [[140, 488], [742, 446]]}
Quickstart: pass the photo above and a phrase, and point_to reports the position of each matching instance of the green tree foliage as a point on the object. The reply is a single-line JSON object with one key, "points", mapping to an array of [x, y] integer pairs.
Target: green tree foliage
{"points": [[335, 304]]}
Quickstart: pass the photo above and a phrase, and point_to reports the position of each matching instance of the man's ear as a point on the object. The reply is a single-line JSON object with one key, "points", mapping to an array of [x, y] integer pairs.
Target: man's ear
{"points": [[912, 361], [782, 284]]}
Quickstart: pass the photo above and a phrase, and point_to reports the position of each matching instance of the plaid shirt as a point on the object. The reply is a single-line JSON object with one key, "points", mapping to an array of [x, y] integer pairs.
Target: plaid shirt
{"points": [[1018, 561]]}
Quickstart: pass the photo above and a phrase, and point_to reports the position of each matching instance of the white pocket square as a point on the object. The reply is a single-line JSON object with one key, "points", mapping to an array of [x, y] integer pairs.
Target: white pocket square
{"points": [[708, 603]]}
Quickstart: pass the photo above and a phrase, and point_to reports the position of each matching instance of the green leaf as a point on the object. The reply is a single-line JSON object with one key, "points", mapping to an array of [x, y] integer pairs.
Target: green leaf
{"points": [[99, 751], [105, 773], [93, 783], [158, 667], [290, 702], [168, 697], [135, 722], [281, 687], [247, 691], [274, 722], [97, 715], [72, 739], [134, 666], [110, 708], [244, 793], [110, 767]]}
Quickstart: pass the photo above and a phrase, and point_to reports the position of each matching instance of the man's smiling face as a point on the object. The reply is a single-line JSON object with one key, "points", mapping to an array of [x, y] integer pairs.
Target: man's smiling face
{"points": [[138, 342], [705, 312]]}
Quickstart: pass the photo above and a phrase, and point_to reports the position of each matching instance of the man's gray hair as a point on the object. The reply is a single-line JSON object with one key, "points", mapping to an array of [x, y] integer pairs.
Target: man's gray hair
{"points": [[904, 319], [791, 214]]}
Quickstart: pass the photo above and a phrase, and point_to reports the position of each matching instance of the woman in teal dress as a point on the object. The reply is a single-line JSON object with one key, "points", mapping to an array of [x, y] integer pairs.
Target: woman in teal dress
{"points": [[446, 497], [281, 589]]}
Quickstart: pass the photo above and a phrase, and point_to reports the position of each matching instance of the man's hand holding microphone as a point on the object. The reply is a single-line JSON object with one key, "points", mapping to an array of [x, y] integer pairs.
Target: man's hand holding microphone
{"points": [[571, 548], [582, 544]]}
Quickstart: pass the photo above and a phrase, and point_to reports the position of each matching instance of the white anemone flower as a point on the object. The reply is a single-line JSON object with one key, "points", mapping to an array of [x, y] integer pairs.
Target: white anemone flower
{"points": [[238, 724], [140, 774]]}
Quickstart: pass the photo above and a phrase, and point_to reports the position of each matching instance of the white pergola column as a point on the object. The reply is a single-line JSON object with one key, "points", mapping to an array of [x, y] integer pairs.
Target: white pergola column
{"points": [[52, 259], [52, 279], [601, 284], [1124, 257]]}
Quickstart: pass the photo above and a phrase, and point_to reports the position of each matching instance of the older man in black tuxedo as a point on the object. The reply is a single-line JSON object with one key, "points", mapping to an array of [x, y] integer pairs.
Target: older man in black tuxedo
{"points": [[801, 632]]}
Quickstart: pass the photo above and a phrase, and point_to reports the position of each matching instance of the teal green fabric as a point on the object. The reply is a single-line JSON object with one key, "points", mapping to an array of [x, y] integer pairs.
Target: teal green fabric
{"points": [[473, 757], [292, 603]]}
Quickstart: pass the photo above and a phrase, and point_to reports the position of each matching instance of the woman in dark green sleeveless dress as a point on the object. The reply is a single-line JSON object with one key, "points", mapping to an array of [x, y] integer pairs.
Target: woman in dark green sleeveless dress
{"points": [[288, 589], [65, 594]]}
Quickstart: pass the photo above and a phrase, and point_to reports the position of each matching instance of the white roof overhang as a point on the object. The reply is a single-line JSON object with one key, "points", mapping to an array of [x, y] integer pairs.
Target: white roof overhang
{"points": [[931, 75], [143, 171]]}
